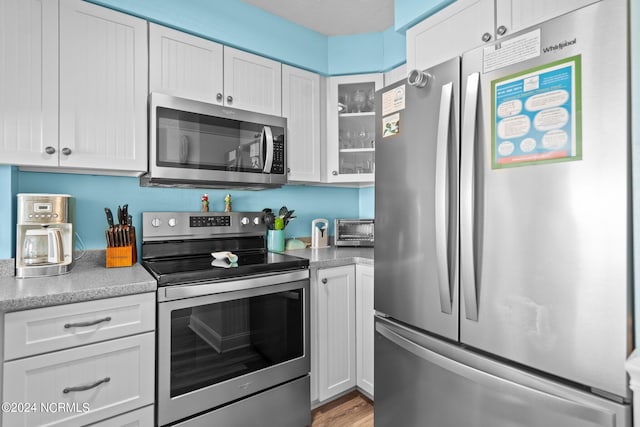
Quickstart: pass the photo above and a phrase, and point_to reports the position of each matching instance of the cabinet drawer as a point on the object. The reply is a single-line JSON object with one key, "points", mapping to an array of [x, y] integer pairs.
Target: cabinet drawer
{"points": [[118, 375], [142, 417], [42, 330]]}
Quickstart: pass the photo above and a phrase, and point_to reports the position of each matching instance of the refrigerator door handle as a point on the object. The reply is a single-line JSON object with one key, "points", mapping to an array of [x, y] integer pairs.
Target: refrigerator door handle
{"points": [[467, 171], [535, 397], [442, 197]]}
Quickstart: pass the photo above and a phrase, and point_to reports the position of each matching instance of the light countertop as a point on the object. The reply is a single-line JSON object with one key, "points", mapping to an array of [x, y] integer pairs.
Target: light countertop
{"points": [[88, 280], [334, 256]]}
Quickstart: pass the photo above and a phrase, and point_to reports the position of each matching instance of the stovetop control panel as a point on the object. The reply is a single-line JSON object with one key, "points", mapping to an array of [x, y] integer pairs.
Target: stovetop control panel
{"points": [[185, 225]]}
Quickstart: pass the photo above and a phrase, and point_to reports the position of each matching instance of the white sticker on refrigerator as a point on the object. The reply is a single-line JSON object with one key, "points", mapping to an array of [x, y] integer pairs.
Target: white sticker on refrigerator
{"points": [[536, 115], [393, 100], [512, 51]]}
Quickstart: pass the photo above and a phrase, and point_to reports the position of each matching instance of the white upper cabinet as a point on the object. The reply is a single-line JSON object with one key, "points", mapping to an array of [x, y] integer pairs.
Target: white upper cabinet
{"points": [[515, 15], [29, 82], [192, 67], [301, 107], [184, 65], [462, 26], [252, 82], [350, 147], [467, 24], [103, 88]]}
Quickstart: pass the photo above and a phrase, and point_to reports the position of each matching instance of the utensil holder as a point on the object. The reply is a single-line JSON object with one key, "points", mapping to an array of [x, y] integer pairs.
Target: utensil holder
{"points": [[123, 256]]}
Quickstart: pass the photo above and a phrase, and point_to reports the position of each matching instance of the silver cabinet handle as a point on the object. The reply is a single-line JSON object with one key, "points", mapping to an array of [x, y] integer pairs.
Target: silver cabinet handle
{"points": [[523, 392], [219, 96], [486, 37], [334, 173], [49, 150], [85, 324], [66, 151], [86, 387], [442, 197], [229, 99], [501, 30], [288, 170], [467, 171], [324, 281]]}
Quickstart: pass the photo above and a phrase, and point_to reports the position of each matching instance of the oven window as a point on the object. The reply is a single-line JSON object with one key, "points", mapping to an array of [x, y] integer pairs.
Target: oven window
{"points": [[198, 141], [216, 342]]}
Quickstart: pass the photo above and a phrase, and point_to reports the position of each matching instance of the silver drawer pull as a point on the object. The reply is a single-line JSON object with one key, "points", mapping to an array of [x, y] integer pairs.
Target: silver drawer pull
{"points": [[85, 324], [86, 387]]}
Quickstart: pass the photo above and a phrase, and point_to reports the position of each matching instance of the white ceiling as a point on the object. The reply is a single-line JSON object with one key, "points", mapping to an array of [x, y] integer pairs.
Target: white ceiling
{"points": [[333, 17]]}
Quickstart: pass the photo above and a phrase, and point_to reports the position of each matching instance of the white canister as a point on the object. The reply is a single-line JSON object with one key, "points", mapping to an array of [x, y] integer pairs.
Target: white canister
{"points": [[319, 233]]}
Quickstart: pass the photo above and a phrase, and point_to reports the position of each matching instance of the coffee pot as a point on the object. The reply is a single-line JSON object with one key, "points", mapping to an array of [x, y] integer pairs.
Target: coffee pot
{"points": [[44, 244]]}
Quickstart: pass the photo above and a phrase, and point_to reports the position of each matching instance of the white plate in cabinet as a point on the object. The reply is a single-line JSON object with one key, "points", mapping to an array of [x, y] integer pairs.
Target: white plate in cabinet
{"points": [[142, 417], [109, 378], [41, 330]]}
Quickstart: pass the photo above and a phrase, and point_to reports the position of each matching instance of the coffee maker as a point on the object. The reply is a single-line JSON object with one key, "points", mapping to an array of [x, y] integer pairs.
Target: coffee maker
{"points": [[44, 237]]}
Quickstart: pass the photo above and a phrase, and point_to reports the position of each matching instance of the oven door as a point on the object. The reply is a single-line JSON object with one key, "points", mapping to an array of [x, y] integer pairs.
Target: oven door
{"points": [[223, 341]]}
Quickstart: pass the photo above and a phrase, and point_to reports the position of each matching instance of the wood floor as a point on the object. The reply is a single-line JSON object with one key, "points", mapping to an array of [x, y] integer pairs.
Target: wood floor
{"points": [[351, 410]]}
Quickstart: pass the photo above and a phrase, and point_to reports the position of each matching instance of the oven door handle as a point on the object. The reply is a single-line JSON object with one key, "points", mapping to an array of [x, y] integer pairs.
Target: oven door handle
{"points": [[196, 290]]}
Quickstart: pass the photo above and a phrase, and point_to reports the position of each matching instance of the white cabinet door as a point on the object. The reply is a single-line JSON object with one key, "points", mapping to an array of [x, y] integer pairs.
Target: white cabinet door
{"points": [[103, 88], [29, 82], [139, 418], [301, 107], [184, 65], [513, 16], [364, 327], [252, 82], [336, 330], [96, 381], [46, 329], [350, 148], [457, 28]]}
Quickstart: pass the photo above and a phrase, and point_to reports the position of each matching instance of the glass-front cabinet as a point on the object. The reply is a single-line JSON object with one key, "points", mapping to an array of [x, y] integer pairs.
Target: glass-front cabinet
{"points": [[351, 127]]}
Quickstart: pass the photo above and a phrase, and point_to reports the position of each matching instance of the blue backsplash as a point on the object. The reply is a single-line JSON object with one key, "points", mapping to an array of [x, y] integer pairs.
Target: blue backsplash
{"points": [[93, 193]]}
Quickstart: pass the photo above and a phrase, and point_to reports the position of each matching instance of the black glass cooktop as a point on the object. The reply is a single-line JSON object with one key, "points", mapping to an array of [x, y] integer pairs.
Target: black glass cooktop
{"points": [[185, 269]]}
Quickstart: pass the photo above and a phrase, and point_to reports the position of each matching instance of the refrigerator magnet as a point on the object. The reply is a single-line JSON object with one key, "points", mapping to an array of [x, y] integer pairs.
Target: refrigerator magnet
{"points": [[536, 115]]}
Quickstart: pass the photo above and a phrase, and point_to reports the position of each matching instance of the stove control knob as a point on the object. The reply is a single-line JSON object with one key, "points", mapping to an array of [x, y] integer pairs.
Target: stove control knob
{"points": [[256, 220], [244, 220], [172, 222], [155, 222]]}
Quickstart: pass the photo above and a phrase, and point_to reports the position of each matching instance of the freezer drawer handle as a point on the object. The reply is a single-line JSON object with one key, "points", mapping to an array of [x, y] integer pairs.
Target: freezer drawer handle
{"points": [[442, 197], [467, 171], [590, 414]]}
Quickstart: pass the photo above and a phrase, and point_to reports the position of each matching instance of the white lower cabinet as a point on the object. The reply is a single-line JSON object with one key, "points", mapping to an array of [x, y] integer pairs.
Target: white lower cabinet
{"points": [[341, 331], [364, 328], [139, 418], [336, 344], [105, 370]]}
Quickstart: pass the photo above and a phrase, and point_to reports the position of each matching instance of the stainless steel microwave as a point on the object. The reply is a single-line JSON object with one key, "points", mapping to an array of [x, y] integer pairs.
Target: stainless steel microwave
{"points": [[195, 144]]}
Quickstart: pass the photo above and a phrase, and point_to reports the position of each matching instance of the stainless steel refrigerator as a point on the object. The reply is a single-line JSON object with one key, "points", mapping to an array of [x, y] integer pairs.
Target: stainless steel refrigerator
{"points": [[503, 232]]}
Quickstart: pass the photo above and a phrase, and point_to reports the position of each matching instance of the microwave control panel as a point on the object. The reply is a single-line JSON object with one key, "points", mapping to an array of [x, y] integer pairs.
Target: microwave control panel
{"points": [[278, 157]]}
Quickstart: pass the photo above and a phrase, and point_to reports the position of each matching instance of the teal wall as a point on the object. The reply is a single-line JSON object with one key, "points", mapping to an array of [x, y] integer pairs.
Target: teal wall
{"points": [[366, 202], [243, 26], [93, 193], [409, 12], [8, 189]]}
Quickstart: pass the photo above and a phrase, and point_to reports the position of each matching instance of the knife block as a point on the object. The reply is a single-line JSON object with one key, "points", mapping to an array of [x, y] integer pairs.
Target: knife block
{"points": [[123, 256]]}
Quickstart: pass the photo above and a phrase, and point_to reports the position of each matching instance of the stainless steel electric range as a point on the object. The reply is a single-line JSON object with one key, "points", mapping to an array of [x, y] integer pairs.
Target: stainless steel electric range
{"points": [[232, 337]]}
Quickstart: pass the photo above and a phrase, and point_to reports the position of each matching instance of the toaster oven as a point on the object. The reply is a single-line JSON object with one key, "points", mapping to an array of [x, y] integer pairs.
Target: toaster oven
{"points": [[354, 232]]}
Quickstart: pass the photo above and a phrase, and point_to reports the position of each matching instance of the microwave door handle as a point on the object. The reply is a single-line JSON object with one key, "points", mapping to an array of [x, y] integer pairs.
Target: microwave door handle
{"points": [[267, 140]]}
